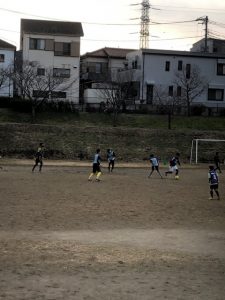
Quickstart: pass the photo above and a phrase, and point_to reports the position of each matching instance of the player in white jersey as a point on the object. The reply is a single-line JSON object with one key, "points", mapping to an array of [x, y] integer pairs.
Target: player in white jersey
{"points": [[155, 165]]}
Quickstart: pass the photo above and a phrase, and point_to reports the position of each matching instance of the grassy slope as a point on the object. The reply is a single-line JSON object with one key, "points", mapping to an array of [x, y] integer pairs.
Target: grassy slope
{"points": [[133, 139]]}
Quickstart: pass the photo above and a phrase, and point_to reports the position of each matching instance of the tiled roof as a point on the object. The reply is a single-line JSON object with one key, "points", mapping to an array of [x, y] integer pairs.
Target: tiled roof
{"points": [[109, 52], [51, 27], [5, 45]]}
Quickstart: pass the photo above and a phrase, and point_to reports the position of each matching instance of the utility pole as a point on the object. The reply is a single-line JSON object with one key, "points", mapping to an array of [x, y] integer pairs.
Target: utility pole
{"points": [[205, 20]]}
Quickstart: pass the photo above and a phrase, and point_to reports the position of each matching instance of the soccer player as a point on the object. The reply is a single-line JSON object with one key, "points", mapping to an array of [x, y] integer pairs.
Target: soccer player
{"points": [[214, 182], [217, 162], [173, 165], [111, 156], [39, 157], [155, 165], [96, 166]]}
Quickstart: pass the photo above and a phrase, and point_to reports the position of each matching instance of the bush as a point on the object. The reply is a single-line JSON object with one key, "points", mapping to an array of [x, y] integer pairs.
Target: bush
{"points": [[197, 110]]}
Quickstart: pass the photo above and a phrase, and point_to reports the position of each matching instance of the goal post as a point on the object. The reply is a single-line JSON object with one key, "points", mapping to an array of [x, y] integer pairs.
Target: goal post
{"points": [[195, 147]]}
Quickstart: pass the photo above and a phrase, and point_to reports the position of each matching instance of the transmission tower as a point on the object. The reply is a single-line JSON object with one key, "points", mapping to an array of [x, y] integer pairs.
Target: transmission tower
{"points": [[144, 32]]}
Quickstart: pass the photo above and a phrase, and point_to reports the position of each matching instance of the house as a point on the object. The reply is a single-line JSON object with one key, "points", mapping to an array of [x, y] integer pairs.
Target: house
{"points": [[212, 45], [156, 69], [54, 45], [97, 68], [7, 54]]}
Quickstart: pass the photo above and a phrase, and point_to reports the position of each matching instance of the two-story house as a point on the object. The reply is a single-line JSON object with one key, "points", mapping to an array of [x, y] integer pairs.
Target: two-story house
{"points": [[7, 54], [210, 45], [157, 68], [54, 45], [97, 68]]}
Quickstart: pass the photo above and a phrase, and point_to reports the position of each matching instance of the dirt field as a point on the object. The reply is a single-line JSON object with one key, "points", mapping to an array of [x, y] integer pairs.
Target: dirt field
{"points": [[126, 237]]}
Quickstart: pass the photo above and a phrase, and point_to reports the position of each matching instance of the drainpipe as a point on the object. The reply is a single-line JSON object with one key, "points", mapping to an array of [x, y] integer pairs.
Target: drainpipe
{"points": [[143, 75]]}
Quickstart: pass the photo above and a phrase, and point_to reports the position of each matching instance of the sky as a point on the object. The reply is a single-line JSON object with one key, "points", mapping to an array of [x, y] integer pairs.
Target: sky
{"points": [[116, 23]]}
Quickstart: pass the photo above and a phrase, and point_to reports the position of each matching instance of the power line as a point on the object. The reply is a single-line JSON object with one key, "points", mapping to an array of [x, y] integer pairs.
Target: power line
{"points": [[100, 24], [156, 40], [191, 8], [26, 14], [176, 22]]}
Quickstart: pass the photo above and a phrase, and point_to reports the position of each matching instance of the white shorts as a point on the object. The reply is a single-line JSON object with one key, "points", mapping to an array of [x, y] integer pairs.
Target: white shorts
{"points": [[172, 169]]}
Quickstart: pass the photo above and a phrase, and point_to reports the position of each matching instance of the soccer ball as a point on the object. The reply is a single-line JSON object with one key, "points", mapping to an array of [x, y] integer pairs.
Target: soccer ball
{"points": [[176, 177]]}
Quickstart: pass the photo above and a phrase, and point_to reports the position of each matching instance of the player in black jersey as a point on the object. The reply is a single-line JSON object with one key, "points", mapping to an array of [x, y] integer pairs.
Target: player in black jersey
{"points": [[214, 182]]}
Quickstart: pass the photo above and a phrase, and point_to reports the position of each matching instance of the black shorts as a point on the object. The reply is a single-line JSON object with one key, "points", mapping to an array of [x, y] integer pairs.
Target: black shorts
{"points": [[38, 160], [155, 168], [96, 168], [214, 186]]}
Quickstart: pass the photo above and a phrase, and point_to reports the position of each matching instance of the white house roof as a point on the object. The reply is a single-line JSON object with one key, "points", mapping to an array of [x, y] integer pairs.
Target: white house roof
{"points": [[182, 53]]}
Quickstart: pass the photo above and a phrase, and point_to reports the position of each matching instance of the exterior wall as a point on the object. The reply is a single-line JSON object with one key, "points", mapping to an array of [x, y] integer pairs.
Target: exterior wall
{"points": [[154, 73], [93, 96], [47, 59], [7, 89]]}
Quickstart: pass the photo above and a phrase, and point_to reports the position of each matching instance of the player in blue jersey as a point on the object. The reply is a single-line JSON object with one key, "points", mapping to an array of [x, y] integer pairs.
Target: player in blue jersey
{"points": [[213, 182], [111, 156], [174, 162], [155, 165], [96, 166]]}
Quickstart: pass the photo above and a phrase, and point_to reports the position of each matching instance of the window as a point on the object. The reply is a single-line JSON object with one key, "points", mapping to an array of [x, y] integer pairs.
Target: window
{"points": [[221, 69], [134, 64], [98, 68], [215, 94], [40, 94], [167, 66], [60, 72], [180, 65], [170, 90], [58, 94], [40, 71], [188, 71], [62, 49], [150, 93], [179, 91], [2, 57], [37, 44]]}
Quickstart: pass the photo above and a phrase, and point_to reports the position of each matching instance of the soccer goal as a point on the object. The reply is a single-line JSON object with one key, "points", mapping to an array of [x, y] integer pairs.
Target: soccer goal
{"points": [[208, 144]]}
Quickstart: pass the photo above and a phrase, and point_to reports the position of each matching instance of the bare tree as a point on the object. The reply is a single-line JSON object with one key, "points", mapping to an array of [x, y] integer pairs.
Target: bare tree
{"points": [[4, 80], [116, 91], [167, 103], [37, 88], [191, 83]]}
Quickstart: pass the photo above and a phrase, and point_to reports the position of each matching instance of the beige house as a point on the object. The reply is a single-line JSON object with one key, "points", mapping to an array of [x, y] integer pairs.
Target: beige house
{"points": [[99, 66], [54, 45]]}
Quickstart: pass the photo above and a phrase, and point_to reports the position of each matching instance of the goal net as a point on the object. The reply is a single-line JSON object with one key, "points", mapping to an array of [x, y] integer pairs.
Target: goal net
{"points": [[204, 150]]}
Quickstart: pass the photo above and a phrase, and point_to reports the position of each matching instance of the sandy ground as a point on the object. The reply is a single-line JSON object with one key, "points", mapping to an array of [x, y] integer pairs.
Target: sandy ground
{"points": [[126, 237]]}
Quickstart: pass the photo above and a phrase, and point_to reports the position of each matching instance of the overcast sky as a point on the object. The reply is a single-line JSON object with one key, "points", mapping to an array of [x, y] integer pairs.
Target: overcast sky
{"points": [[116, 23]]}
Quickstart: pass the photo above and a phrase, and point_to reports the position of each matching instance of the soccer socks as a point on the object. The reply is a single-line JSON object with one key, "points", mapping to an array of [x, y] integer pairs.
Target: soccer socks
{"points": [[89, 178], [98, 175]]}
